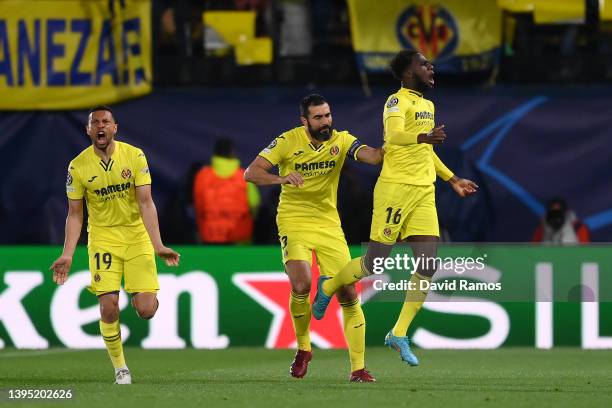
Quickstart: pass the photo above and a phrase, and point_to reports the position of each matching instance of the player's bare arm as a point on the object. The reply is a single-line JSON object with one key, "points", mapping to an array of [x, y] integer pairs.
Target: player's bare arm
{"points": [[370, 155], [74, 223], [148, 213], [463, 187], [258, 173]]}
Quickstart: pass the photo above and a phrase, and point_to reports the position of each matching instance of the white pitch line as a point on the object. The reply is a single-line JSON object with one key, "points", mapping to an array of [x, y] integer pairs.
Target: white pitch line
{"points": [[36, 353]]}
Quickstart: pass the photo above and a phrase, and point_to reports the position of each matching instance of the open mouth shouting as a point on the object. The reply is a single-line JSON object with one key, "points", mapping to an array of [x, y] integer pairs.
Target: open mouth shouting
{"points": [[430, 80], [101, 138]]}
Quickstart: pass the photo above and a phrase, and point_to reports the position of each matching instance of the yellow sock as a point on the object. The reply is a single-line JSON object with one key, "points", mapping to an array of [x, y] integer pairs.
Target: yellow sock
{"points": [[412, 305], [351, 273], [354, 331], [299, 306], [111, 332]]}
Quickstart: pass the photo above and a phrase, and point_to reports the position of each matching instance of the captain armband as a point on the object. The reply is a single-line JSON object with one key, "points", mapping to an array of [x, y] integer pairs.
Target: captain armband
{"points": [[355, 147]]}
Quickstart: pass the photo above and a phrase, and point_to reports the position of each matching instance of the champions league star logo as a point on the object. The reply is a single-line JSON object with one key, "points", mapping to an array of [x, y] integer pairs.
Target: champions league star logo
{"points": [[271, 290], [429, 29]]}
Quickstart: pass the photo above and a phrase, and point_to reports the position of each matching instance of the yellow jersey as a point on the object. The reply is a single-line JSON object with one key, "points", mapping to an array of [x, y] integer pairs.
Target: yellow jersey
{"points": [[314, 203], [415, 163], [109, 190]]}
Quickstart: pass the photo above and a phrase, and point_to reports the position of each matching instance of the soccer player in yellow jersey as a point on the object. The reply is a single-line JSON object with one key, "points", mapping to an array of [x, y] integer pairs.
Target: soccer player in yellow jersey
{"points": [[310, 159], [113, 178], [404, 200]]}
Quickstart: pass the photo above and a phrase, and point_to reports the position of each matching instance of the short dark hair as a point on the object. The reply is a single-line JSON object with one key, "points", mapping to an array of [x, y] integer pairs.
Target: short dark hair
{"points": [[101, 108], [310, 100], [224, 147], [400, 62], [556, 204]]}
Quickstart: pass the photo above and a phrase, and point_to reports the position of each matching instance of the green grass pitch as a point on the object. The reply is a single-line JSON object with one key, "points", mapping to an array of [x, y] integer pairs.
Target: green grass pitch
{"points": [[252, 377]]}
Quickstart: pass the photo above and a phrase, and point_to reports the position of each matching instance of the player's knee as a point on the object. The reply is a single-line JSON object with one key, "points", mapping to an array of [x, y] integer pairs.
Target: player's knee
{"points": [[368, 265], [300, 287], [146, 310], [109, 314], [428, 269], [376, 253], [428, 272], [347, 294], [146, 314], [109, 310]]}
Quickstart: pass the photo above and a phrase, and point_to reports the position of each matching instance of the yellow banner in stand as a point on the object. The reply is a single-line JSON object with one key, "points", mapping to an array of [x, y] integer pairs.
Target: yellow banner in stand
{"points": [[71, 54], [455, 34]]}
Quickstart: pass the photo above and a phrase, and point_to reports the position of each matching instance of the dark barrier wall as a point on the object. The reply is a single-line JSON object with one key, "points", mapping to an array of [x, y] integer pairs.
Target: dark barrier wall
{"points": [[522, 147]]}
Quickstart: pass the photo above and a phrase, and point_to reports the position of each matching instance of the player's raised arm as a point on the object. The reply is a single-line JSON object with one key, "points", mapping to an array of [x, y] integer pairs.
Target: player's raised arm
{"points": [[74, 223], [148, 212], [258, 173]]}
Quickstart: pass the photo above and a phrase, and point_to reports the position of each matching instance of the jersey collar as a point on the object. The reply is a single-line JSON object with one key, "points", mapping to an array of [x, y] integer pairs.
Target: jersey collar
{"points": [[106, 166], [322, 145], [411, 92]]}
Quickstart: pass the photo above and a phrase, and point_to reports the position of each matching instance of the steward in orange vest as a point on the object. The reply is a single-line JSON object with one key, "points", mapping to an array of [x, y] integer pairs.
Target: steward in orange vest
{"points": [[223, 201]]}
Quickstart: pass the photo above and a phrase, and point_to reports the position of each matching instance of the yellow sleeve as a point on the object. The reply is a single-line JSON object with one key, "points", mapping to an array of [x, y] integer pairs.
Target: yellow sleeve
{"points": [[74, 187], [395, 107], [276, 150], [142, 174], [395, 133], [441, 170], [394, 117]]}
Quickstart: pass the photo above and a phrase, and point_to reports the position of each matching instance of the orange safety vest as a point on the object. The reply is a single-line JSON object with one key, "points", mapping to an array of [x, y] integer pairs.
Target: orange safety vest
{"points": [[222, 207]]}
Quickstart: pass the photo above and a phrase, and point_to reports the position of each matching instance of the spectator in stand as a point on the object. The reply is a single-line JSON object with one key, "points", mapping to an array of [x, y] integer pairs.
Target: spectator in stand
{"points": [[224, 203], [560, 225]]}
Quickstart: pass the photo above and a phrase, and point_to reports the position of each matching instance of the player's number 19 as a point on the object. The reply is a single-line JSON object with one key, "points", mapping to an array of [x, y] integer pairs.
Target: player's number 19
{"points": [[107, 259]]}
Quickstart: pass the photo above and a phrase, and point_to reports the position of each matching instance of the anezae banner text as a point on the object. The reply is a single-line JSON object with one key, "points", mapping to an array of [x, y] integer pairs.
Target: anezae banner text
{"points": [[70, 54]]}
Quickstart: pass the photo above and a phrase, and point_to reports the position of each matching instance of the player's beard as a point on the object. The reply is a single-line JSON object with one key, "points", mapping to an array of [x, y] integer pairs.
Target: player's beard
{"points": [[421, 85], [322, 134]]}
